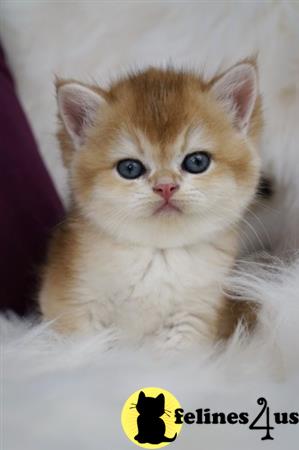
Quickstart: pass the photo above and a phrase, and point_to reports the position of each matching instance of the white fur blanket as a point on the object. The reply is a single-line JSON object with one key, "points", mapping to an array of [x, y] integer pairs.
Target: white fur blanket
{"points": [[64, 393]]}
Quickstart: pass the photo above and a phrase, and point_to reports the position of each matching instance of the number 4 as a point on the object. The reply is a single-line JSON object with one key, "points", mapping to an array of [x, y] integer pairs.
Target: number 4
{"points": [[262, 401]]}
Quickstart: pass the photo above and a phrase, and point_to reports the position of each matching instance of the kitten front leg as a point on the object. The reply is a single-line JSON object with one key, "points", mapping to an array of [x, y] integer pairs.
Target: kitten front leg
{"points": [[69, 320], [77, 321], [72, 320], [74, 317], [182, 332]]}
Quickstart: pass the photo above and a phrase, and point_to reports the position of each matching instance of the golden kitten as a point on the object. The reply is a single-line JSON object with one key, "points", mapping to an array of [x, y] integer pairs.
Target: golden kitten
{"points": [[162, 167]]}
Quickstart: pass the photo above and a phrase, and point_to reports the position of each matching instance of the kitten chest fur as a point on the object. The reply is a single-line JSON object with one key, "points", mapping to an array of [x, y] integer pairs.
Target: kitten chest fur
{"points": [[142, 290]]}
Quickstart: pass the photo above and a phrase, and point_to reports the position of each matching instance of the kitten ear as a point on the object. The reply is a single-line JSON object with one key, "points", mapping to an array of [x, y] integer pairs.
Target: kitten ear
{"points": [[237, 90], [78, 107], [161, 399], [141, 396]]}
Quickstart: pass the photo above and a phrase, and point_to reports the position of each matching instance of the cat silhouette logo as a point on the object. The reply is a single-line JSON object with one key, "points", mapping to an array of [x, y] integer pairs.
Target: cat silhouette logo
{"points": [[148, 418]]}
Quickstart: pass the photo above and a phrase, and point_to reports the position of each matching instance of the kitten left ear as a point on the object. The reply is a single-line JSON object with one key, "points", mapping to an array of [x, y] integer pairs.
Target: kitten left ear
{"points": [[78, 107], [237, 90], [141, 396]]}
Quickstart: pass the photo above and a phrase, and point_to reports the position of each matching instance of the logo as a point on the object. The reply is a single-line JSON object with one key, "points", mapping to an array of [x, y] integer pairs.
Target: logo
{"points": [[152, 418], [148, 418], [264, 420]]}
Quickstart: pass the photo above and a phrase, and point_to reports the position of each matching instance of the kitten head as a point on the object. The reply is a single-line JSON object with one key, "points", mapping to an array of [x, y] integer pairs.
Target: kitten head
{"points": [[151, 406], [163, 158]]}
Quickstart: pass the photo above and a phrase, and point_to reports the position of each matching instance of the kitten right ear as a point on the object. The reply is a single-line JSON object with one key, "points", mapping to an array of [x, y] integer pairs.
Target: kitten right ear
{"points": [[237, 91], [78, 108], [161, 399]]}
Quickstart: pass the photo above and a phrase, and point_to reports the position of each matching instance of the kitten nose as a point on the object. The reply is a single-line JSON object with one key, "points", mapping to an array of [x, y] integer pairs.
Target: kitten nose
{"points": [[165, 190]]}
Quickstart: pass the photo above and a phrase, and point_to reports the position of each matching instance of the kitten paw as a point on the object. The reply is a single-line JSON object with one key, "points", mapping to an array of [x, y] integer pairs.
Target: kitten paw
{"points": [[180, 336], [173, 341]]}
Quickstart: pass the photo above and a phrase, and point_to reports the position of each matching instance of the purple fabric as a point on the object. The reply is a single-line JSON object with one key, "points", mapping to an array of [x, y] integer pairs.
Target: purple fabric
{"points": [[29, 204]]}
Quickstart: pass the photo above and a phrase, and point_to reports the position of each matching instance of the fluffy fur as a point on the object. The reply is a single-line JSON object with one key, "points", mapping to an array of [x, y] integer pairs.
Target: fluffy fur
{"points": [[72, 390], [125, 257], [69, 392]]}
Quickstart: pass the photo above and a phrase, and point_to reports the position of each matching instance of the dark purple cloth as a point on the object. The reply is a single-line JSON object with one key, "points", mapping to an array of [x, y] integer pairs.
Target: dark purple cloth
{"points": [[29, 204]]}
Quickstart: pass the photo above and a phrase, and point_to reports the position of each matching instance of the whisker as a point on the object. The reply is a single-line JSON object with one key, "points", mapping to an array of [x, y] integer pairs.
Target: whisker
{"points": [[254, 232], [261, 224]]}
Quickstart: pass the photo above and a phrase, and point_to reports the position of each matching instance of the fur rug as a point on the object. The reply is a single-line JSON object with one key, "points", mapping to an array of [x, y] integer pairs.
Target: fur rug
{"points": [[68, 393]]}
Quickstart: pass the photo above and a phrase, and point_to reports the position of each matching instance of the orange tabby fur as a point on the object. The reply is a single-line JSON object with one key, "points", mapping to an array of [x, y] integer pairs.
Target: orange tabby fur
{"points": [[156, 110]]}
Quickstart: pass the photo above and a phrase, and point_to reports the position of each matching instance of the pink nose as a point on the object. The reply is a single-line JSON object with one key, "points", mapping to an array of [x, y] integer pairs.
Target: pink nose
{"points": [[166, 190]]}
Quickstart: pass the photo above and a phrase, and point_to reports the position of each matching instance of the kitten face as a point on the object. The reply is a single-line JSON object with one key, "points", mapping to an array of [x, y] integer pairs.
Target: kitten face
{"points": [[157, 118]]}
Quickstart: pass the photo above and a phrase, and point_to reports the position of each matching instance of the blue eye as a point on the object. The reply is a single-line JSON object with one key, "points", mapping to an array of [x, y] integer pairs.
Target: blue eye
{"points": [[130, 168], [196, 162]]}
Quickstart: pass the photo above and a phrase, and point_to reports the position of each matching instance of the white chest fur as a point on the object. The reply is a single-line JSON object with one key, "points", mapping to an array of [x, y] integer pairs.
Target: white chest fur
{"points": [[139, 289]]}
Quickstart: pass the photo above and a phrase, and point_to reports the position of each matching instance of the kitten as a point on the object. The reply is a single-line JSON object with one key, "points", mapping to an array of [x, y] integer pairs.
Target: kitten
{"points": [[151, 427], [162, 167]]}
